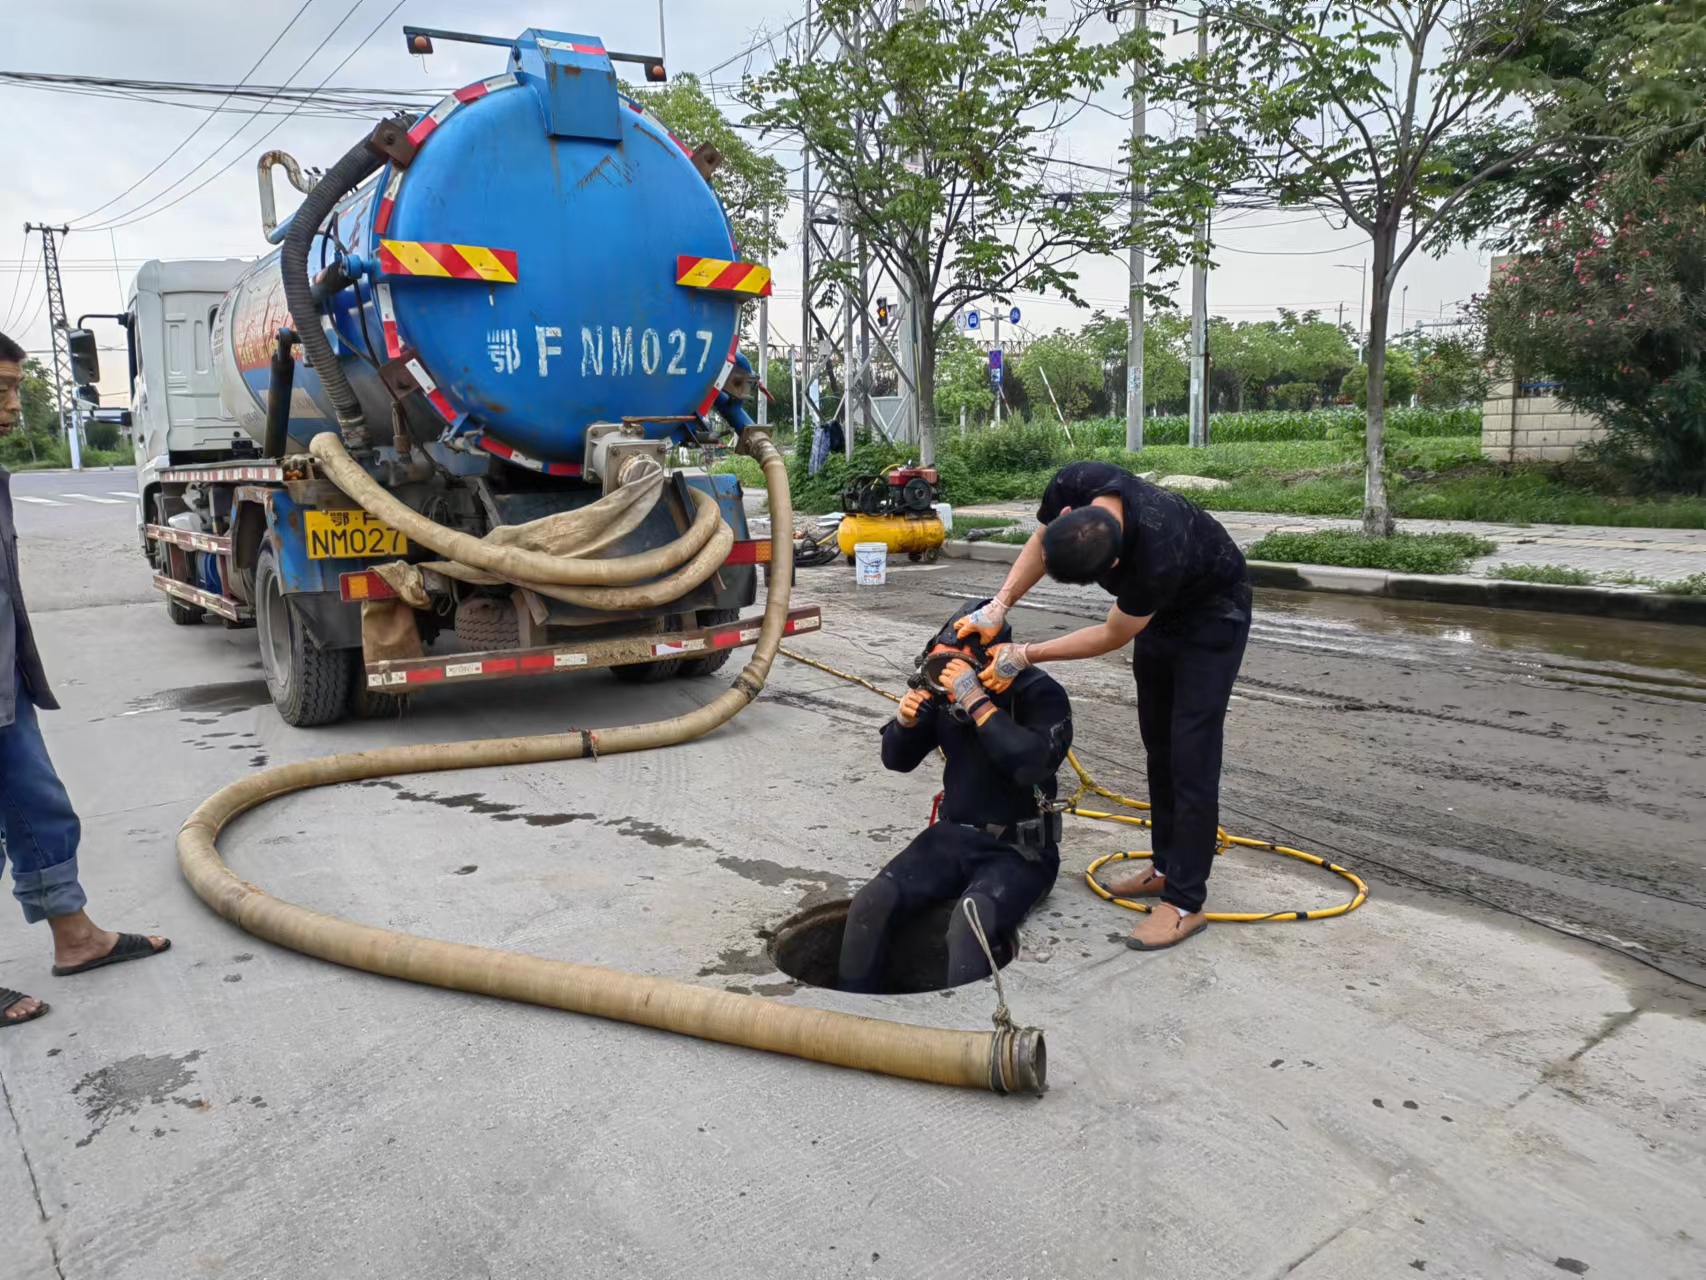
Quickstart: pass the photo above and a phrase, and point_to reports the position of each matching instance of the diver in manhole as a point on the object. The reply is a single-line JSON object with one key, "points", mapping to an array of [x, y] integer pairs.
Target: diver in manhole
{"points": [[997, 840]]}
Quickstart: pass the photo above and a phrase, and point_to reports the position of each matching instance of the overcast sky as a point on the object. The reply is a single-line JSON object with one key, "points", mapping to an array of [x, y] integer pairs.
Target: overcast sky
{"points": [[68, 155]]}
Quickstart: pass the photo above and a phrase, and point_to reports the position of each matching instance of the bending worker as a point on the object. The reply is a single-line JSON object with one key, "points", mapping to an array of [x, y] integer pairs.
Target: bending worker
{"points": [[996, 842], [1181, 590]]}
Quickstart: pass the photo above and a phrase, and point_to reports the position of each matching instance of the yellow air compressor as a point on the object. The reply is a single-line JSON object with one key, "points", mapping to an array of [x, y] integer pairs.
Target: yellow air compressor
{"points": [[897, 509]]}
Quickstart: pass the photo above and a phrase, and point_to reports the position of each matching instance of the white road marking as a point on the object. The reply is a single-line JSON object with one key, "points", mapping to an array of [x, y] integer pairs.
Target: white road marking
{"points": [[90, 497], [40, 502], [121, 493]]}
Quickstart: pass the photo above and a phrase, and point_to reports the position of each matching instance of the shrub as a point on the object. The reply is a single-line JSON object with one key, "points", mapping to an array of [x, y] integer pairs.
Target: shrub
{"points": [[1400, 553], [1556, 575]]}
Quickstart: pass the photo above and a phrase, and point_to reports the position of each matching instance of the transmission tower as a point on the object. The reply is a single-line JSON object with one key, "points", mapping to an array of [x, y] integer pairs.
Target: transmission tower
{"points": [[64, 386], [854, 338]]}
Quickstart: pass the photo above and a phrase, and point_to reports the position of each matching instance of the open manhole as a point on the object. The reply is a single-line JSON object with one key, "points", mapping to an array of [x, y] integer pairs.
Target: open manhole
{"points": [[807, 947]]}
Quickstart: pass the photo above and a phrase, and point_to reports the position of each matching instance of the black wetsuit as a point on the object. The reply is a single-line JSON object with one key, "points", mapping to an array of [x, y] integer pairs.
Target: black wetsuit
{"points": [[1178, 566], [988, 782]]}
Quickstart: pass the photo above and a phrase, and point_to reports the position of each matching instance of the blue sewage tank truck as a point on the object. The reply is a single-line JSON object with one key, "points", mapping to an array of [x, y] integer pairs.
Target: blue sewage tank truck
{"points": [[533, 299]]}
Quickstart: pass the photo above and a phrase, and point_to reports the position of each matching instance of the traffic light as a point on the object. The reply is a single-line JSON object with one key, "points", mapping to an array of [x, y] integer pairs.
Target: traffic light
{"points": [[882, 311]]}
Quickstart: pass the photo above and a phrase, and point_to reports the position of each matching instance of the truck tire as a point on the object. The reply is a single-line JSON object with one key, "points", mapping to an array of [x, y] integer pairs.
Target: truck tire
{"points": [[309, 685], [485, 622], [183, 613], [368, 704], [716, 660]]}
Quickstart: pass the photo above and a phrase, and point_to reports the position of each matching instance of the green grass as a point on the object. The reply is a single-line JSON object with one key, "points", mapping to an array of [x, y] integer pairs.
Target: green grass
{"points": [[1012, 537], [1555, 575], [1401, 553], [59, 459], [963, 523], [750, 473], [1693, 585]]}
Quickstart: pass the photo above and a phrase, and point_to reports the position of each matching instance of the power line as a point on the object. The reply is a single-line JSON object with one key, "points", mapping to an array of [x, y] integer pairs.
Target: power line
{"points": [[131, 221], [336, 101], [193, 133], [12, 306]]}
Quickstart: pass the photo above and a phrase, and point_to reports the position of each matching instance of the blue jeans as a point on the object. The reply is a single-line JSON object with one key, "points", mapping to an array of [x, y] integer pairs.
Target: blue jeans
{"points": [[39, 830]]}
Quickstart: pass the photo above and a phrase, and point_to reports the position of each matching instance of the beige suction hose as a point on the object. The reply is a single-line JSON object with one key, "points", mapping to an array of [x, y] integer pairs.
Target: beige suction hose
{"points": [[1005, 1060]]}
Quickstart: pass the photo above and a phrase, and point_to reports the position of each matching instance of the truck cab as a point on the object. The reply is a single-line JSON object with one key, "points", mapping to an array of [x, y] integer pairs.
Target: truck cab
{"points": [[176, 414]]}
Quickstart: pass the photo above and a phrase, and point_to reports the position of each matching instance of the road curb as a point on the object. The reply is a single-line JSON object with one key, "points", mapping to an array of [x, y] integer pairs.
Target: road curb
{"points": [[1487, 593]]}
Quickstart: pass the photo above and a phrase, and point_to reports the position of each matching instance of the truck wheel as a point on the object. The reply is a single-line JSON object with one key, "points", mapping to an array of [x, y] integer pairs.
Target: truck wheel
{"points": [[484, 622], [715, 661], [309, 685], [183, 613], [370, 704]]}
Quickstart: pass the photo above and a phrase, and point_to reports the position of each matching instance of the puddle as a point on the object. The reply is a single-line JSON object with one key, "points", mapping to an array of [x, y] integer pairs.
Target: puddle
{"points": [[222, 699]]}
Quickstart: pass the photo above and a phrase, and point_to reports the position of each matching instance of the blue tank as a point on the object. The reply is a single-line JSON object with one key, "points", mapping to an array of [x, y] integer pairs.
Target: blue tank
{"points": [[524, 269]]}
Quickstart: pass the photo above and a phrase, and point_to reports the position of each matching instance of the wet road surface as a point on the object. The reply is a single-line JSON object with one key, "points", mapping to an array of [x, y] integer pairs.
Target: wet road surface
{"points": [[1549, 766]]}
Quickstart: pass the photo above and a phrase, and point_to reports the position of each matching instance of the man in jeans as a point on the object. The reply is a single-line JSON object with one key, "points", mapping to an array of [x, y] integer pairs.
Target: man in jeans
{"points": [[38, 827]]}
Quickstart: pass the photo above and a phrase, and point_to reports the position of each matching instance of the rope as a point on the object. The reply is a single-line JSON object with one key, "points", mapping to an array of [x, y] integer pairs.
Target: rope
{"points": [[1002, 1019], [1087, 785]]}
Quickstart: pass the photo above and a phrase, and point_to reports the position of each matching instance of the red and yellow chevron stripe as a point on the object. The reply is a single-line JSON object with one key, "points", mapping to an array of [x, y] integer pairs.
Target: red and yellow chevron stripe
{"points": [[722, 275], [447, 261]]}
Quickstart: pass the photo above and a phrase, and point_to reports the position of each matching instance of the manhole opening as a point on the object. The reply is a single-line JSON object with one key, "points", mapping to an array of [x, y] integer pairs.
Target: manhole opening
{"points": [[807, 948]]}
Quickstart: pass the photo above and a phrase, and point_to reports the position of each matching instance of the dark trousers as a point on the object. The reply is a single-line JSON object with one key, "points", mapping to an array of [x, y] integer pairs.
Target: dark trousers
{"points": [[1184, 682], [945, 861]]}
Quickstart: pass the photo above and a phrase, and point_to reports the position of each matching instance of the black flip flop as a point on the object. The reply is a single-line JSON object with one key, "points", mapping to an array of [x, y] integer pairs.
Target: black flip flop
{"points": [[130, 946], [8, 998]]}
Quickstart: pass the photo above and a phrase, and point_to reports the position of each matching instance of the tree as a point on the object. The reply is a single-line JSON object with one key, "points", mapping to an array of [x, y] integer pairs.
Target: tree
{"points": [[1165, 372], [934, 132], [1061, 369], [1399, 370], [1367, 110], [962, 380], [753, 186], [1609, 305], [1450, 371], [27, 440]]}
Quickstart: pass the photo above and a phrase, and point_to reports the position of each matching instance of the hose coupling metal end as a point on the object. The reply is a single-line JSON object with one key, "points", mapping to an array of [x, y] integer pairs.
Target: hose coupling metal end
{"points": [[750, 438], [1018, 1061]]}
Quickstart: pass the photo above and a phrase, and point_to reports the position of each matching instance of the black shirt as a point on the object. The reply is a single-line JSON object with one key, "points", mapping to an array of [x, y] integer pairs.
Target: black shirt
{"points": [[992, 767], [1176, 561]]}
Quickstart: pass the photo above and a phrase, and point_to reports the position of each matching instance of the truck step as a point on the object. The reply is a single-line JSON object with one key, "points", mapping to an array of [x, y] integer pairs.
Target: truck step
{"points": [[225, 608]]}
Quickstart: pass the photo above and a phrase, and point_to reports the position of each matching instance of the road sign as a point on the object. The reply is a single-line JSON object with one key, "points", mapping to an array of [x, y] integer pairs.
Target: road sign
{"points": [[995, 367], [1013, 316], [971, 319]]}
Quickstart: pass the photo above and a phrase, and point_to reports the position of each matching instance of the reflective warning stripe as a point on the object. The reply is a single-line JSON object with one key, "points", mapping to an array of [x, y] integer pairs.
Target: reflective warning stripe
{"points": [[439, 114], [429, 388], [592, 50], [722, 275], [447, 261], [388, 320], [497, 448], [393, 185], [423, 128], [728, 368]]}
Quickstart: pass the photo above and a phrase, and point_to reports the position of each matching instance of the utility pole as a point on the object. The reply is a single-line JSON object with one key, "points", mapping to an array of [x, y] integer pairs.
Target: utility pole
{"points": [[763, 316], [1134, 327], [64, 385], [1199, 276], [848, 374], [999, 385], [663, 49]]}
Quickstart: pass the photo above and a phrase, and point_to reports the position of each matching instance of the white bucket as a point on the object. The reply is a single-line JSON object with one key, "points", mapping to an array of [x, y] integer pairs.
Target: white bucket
{"points": [[871, 564], [945, 514]]}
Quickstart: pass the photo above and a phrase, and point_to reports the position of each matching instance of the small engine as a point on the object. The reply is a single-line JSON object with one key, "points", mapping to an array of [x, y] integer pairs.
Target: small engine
{"points": [[899, 491]]}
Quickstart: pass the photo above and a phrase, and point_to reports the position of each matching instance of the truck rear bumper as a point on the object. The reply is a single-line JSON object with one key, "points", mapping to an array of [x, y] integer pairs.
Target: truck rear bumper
{"points": [[501, 664]]}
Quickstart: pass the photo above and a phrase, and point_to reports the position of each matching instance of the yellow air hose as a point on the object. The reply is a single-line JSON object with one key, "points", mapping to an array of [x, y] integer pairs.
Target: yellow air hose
{"points": [[1087, 785], [1008, 1059]]}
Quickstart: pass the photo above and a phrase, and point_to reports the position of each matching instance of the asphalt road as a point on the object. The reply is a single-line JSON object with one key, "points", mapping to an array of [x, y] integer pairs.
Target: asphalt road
{"points": [[1434, 1083]]}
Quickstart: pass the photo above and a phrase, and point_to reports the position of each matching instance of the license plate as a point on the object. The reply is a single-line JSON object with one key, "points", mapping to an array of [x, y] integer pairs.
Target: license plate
{"points": [[351, 535]]}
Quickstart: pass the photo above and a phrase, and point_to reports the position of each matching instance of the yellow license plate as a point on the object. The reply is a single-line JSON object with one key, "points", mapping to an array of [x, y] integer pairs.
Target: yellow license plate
{"points": [[351, 535]]}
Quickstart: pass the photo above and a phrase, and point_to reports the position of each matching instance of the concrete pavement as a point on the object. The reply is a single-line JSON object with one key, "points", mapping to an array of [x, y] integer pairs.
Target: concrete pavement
{"points": [[1424, 1086]]}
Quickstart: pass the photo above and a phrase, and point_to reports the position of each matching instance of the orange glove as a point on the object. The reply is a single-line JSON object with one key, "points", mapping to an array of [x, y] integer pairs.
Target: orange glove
{"points": [[910, 706], [985, 622], [1005, 665]]}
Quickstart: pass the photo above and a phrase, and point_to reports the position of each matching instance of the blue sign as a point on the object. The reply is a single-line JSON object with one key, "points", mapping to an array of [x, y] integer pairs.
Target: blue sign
{"points": [[971, 319], [995, 367], [1013, 315]]}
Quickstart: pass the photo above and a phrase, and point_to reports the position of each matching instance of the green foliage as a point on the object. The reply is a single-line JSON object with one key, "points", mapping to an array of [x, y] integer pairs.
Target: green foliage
{"points": [[962, 381], [1400, 379], [1253, 359], [750, 473], [1315, 424], [1166, 372], [1554, 575], [1450, 371], [102, 436], [1399, 552], [1608, 306], [934, 133], [964, 523], [752, 185], [1063, 364], [1296, 395]]}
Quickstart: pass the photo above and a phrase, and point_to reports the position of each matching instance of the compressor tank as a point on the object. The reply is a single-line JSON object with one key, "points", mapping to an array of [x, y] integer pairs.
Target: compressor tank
{"points": [[549, 258]]}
